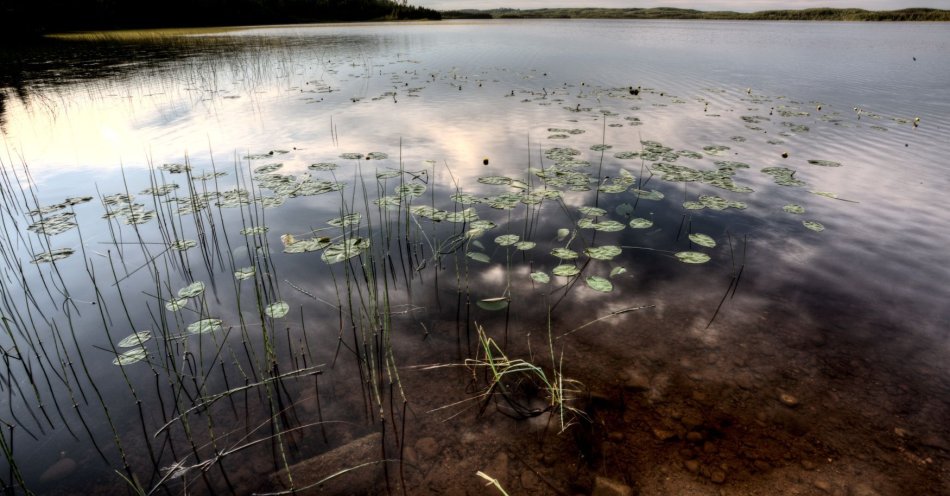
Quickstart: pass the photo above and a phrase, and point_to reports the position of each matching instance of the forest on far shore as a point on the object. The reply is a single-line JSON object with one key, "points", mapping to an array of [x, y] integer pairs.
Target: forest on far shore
{"points": [[818, 14], [23, 18]]}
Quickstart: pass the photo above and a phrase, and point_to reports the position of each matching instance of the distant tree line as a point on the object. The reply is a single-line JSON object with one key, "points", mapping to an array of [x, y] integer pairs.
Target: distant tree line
{"points": [[819, 14], [25, 17]]}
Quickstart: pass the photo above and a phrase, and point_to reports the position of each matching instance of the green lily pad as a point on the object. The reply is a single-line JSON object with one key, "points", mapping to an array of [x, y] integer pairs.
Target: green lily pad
{"points": [[793, 208], [411, 190], [131, 356], [507, 239], [564, 253], [52, 255], [245, 273], [824, 163], [465, 199], [192, 290], [592, 211], [351, 156], [525, 245], [493, 304], [648, 195], [305, 245], [277, 309], [483, 224], [376, 156], [540, 277], [702, 240], [478, 256], [814, 226], [346, 220], [566, 270], [254, 231], [639, 223], [323, 166], [495, 180], [344, 250], [428, 212], [183, 244], [826, 194], [692, 257], [467, 215], [598, 283], [563, 233], [176, 304], [135, 339], [616, 271], [204, 326], [607, 252]]}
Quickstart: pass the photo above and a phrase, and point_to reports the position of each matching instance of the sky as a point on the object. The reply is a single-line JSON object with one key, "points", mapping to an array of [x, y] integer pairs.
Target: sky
{"points": [[735, 5]]}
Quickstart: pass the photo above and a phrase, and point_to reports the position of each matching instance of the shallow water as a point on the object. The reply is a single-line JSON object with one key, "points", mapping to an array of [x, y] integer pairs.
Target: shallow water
{"points": [[809, 361]]}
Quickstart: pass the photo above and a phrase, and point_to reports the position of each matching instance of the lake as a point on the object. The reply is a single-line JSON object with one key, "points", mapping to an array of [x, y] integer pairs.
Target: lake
{"points": [[685, 257]]}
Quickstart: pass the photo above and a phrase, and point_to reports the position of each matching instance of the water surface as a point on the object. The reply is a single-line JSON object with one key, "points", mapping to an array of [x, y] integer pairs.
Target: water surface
{"points": [[793, 358]]}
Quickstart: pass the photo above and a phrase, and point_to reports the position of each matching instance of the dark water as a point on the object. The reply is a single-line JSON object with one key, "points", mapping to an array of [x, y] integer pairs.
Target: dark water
{"points": [[806, 361]]}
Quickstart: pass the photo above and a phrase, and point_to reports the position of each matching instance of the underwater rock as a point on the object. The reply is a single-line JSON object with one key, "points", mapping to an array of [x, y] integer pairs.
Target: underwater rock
{"points": [[609, 487], [363, 480], [59, 470]]}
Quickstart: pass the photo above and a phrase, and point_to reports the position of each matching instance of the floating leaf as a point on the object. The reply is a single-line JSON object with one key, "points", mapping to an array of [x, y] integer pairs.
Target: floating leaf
{"points": [[183, 244], [540, 277], [793, 208], [192, 290], [495, 180], [826, 194], [507, 239], [592, 211], [267, 168], [692, 257], [351, 156], [345, 250], [428, 212], [493, 304], [715, 149], [135, 339], [562, 234], [603, 252], [131, 356], [648, 195], [467, 215], [702, 240], [525, 245], [564, 253], [411, 190], [306, 245], [624, 209], [277, 309], [483, 224], [598, 283], [346, 220], [824, 163], [254, 231], [478, 256], [323, 166], [52, 255], [204, 326], [566, 270], [617, 271], [376, 156], [639, 223], [814, 226], [245, 273], [176, 304], [465, 199]]}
